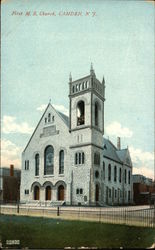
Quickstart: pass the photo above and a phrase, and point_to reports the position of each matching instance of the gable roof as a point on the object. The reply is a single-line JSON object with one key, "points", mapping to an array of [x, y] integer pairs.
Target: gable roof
{"points": [[111, 152], [64, 117], [61, 115]]}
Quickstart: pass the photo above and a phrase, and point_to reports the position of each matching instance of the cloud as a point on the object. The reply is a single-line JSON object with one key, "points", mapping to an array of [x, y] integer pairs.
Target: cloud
{"points": [[42, 107], [143, 162], [10, 154], [116, 129], [60, 108], [9, 125]]}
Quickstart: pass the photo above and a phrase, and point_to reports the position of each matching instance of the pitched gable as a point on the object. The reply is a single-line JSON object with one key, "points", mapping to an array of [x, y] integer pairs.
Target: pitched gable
{"points": [[45, 127]]}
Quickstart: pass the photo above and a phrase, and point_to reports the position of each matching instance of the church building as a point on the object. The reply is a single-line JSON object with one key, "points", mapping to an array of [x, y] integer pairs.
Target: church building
{"points": [[68, 161]]}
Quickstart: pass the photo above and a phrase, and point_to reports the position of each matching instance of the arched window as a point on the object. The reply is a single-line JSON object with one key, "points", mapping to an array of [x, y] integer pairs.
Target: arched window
{"points": [[115, 173], [61, 193], [97, 158], [120, 175], [109, 172], [96, 114], [73, 89], [61, 162], [125, 176], [48, 193], [36, 164], [79, 158], [49, 117], [103, 170], [49, 160], [128, 177], [36, 193], [80, 113]]}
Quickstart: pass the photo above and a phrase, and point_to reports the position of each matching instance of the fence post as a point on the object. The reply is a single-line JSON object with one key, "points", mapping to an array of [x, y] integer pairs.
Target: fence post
{"points": [[17, 207], [58, 212]]}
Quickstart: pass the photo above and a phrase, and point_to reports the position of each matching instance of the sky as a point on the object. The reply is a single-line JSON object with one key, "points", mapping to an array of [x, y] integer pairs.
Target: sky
{"points": [[41, 45]]}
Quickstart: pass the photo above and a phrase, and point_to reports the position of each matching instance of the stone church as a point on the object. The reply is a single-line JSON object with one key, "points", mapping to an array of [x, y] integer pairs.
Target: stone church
{"points": [[68, 161]]}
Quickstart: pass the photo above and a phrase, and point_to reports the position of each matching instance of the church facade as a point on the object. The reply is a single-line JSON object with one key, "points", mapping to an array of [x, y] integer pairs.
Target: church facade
{"points": [[68, 161]]}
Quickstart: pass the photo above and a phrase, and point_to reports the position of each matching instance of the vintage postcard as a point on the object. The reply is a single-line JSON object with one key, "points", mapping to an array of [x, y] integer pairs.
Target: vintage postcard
{"points": [[77, 124]]}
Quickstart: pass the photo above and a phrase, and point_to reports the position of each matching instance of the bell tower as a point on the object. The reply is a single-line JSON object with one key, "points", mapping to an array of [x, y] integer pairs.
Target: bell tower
{"points": [[86, 116], [87, 96]]}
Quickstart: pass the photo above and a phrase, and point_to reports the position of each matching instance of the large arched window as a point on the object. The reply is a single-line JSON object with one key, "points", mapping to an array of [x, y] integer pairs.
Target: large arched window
{"points": [[36, 164], [115, 173], [80, 113], [96, 114], [49, 160], [109, 172], [61, 162]]}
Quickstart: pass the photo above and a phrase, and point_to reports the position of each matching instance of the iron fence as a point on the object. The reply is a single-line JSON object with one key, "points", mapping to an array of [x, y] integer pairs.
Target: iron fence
{"points": [[135, 215]]}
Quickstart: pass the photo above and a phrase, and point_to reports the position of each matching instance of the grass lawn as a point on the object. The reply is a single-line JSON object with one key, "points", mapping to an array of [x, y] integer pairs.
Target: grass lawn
{"points": [[34, 232]]}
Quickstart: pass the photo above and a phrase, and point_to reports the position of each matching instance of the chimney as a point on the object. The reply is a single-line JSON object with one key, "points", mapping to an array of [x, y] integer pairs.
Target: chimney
{"points": [[118, 143], [11, 170]]}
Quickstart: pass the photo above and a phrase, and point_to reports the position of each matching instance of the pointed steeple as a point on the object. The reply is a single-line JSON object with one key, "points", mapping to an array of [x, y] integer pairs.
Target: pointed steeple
{"points": [[70, 77], [92, 72], [103, 81]]}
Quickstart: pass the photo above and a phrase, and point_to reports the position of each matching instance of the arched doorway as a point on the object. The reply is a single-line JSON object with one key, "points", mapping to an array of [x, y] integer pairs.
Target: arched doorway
{"points": [[48, 193], [61, 193], [97, 193], [36, 193]]}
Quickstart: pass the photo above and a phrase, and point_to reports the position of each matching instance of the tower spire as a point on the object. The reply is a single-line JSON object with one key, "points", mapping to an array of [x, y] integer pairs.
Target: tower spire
{"points": [[92, 72], [70, 77]]}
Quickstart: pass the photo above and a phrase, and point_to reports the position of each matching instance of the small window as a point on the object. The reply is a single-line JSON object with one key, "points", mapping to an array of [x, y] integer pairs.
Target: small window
{"points": [[49, 117], [109, 193], [81, 191], [97, 158], [120, 175], [36, 164], [129, 196], [26, 165], [125, 176], [82, 157], [128, 177], [96, 174], [103, 170], [26, 191], [115, 174], [83, 85], [79, 158], [73, 89], [45, 120], [53, 118], [109, 172], [115, 193], [77, 191]]}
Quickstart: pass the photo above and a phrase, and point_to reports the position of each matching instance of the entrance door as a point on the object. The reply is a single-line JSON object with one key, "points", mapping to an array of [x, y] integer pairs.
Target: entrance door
{"points": [[36, 193], [48, 193], [61, 193], [97, 193]]}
